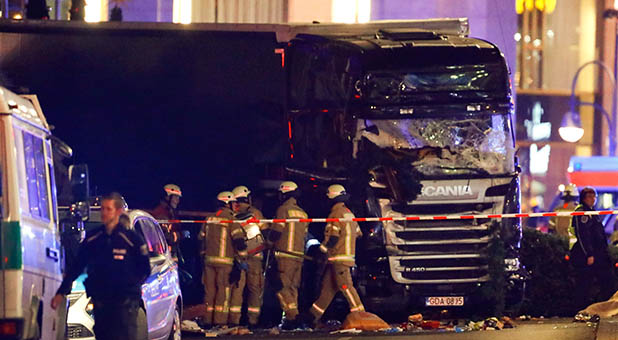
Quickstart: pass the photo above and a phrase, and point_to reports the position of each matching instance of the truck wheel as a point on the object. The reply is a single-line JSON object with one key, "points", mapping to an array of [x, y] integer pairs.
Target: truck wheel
{"points": [[175, 332]]}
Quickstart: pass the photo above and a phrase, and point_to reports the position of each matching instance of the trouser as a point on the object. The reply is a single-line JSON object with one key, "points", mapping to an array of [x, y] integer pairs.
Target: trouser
{"points": [[603, 272], [289, 274], [336, 278], [255, 287], [217, 295], [236, 300], [120, 319]]}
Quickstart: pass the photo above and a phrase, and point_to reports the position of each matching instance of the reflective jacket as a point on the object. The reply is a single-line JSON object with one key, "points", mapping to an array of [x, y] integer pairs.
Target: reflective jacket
{"points": [[344, 251], [216, 237], [292, 233]]}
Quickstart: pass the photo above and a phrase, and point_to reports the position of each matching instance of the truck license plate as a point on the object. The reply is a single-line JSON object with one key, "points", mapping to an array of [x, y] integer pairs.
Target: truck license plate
{"points": [[444, 301]]}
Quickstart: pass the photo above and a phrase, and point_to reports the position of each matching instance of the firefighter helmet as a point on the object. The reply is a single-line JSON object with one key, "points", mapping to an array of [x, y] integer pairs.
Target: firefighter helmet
{"points": [[226, 197], [287, 186], [241, 191], [172, 189], [335, 190], [571, 190]]}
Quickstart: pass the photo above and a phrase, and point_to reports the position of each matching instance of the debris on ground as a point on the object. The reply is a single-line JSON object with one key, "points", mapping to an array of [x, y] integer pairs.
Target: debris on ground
{"points": [[347, 331], [274, 331], [605, 309], [584, 316], [190, 326], [364, 321]]}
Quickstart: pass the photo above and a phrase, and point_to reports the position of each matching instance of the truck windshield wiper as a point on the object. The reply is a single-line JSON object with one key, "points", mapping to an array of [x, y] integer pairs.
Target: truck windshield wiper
{"points": [[477, 170]]}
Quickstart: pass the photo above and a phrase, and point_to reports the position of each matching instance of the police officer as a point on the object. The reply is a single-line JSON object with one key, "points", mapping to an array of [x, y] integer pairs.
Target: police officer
{"points": [[166, 210], [218, 251], [289, 237], [589, 254], [255, 278], [116, 260], [338, 248]]}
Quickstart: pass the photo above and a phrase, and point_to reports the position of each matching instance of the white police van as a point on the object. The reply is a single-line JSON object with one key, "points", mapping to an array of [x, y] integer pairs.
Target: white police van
{"points": [[29, 238]]}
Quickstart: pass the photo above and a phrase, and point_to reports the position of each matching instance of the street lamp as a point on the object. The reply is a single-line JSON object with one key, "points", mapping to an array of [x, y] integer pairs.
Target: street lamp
{"points": [[571, 127]]}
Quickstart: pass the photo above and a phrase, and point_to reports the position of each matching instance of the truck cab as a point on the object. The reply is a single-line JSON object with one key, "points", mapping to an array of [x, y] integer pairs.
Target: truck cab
{"points": [[30, 248]]}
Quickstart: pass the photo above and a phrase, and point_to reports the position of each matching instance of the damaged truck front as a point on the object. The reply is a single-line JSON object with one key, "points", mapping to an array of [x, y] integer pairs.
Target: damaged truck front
{"points": [[417, 122]]}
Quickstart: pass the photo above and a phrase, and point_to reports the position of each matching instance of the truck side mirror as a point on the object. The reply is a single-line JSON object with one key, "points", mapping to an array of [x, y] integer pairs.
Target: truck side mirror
{"points": [[78, 177]]}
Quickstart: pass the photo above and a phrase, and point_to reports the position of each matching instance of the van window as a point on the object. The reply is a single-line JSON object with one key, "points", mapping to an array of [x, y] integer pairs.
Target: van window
{"points": [[149, 231], [38, 198]]}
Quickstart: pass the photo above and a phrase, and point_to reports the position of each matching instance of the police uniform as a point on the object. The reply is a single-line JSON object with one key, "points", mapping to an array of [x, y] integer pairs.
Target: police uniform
{"points": [[117, 264], [291, 238], [339, 244], [218, 253], [255, 277], [591, 241]]}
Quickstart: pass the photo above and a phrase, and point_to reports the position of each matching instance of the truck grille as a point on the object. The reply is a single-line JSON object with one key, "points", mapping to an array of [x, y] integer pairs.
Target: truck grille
{"points": [[439, 252], [78, 331]]}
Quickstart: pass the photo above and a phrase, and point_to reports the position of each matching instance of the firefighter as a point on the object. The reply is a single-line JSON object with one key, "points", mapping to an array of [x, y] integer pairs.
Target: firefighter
{"points": [[561, 225], [117, 263], [166, 210], [252, 231], [338, 248], [590, 254], [217, 248], [289, 237]]}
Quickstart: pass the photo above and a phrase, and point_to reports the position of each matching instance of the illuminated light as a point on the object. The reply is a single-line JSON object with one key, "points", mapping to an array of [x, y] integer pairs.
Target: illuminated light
{"points": [[94, 11], [325, 110], [540, 5], [529, 5], [539, 159], [182, 12], [356, 96], [8, 328], [375, 278], [315, 185], [290, 129], [550, 34], [616, 265], [344, 286], [17, 16], [536, 42], [311, 178], [351, 11], [527, 39], [571, 134], [561, 187], [550, 6], [566, 257]]}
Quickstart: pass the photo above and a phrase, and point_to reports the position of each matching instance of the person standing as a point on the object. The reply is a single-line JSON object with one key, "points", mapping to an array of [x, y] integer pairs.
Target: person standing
{"points": [[117, 263], [339, 249], [166, 210], [561, 225], [590, 254], [255, 278], [218, 252], [288, 241]]}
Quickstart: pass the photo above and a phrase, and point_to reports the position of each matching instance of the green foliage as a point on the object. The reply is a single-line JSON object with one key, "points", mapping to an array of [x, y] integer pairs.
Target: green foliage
{"points": [[550, 289], [493, 293]]}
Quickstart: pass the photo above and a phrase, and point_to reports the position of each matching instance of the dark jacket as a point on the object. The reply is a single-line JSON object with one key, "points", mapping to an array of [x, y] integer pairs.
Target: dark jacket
{"points": [[116, 264], [591, 239]]}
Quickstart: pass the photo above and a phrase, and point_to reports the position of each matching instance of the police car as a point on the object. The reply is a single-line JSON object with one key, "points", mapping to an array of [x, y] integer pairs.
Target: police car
{"points": [[160, 293]]}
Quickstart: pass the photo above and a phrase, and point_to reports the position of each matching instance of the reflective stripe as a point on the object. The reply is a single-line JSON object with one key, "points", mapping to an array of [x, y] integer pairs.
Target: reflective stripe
{"points": [[226, 302], [339, 258], [360, 308], [292, 306], [253, 309], [291, 237], [218, 308], [93, 237], [320, 310], [323, 248], [350, 297], [222, 242], [235, 309], [210, 309], [299, 257], [221, 260], [237, 231], [348, 239], [125, 238]]}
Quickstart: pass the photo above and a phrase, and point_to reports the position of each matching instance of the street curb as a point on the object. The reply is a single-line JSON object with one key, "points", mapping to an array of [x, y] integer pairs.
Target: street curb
{"points": [[608, 329]]}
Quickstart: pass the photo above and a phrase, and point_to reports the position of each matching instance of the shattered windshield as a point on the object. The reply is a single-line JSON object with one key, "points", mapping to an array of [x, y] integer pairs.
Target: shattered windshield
{"points": [[479, 144]]}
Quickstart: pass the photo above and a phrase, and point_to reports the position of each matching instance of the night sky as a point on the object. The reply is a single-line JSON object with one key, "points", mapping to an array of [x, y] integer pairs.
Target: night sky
{"points": [[145, 108]]}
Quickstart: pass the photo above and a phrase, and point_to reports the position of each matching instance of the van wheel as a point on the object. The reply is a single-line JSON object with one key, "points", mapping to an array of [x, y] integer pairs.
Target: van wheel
{"points": [[175, 333]]}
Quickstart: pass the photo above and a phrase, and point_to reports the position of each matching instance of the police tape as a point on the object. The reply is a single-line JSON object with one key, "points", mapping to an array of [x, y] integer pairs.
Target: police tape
{"points": [[399, 218]]}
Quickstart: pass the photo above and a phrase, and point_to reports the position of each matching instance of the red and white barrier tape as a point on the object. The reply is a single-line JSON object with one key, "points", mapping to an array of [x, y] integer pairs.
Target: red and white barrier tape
{"points": [[404, 218]]}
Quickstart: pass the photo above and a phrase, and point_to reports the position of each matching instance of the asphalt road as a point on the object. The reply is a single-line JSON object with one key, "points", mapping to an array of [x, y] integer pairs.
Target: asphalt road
{"points": [[549, 329]]}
